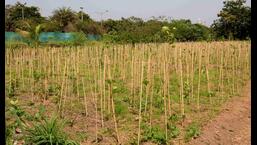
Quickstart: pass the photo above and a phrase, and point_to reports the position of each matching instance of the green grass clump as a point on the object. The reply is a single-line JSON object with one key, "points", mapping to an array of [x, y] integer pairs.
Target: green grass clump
{"points": [[48, 132]]}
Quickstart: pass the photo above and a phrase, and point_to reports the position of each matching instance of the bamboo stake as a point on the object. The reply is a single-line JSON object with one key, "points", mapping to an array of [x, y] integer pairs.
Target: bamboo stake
{"points": [[132, 77], [148, 84], [110, 89], [101, 94], [168, 90], [77, 74], [85, 97], [199, 78], [207, 74], [220, 75], [113, 107], [192, 74], [164, 100], [62, 89], [233, 72], [95, 99], [151, 101], [104, 79], [140, 103], [181, 84]]}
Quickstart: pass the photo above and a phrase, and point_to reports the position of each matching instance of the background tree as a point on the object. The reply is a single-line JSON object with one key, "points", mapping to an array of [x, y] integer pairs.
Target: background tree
{"points": [[64, 17], [51, 26], [234, 20], [90, 27], [13, 16], [86, 17]]}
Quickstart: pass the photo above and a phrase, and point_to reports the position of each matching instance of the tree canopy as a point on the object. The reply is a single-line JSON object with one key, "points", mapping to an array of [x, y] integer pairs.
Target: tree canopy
{"points": [[14, 19], [233, 22]]}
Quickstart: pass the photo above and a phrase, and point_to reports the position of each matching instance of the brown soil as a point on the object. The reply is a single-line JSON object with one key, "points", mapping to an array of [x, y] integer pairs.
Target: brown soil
{"points": [[232, 126]]}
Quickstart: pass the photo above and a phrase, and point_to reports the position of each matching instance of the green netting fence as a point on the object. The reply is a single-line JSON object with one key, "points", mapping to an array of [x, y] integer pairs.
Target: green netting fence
{"points": [[49, 37]]}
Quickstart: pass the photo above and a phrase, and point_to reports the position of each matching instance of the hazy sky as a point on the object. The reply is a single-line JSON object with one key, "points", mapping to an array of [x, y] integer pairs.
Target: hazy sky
{"points": [[205, 10]]}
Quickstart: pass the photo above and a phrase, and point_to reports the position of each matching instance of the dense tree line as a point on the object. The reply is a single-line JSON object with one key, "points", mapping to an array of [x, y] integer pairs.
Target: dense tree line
{"points": [[234, 20], [233, 23]]}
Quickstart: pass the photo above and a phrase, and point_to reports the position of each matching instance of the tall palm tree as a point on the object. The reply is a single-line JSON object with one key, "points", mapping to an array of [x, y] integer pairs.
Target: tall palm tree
{"points": [[63, 16]]}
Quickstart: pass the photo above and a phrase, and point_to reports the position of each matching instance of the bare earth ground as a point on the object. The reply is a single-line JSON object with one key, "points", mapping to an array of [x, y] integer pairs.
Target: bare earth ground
{"points": [[232, 126]]}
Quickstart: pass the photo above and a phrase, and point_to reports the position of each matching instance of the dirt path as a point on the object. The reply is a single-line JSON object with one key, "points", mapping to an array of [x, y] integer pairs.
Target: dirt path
{"points": [[232, 125]]}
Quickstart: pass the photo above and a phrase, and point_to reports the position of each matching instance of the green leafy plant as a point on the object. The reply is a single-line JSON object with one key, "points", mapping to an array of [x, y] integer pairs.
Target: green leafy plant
{"points": [[173, 131], [11, 90], [211, 94], [119, 87], [53, 90], [17, 112], [167, 34], [14, 84], [174, 118], [121, 108], [9, 131], [154, 134], [82, 135], [187, 91], [49, 131], [40, 114], [192, 131], [14, 111], [38, 75], [158, 102]]}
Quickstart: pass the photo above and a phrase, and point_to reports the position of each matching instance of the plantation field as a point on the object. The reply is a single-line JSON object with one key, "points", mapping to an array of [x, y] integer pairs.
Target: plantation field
{"points": [[121, 94]]}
